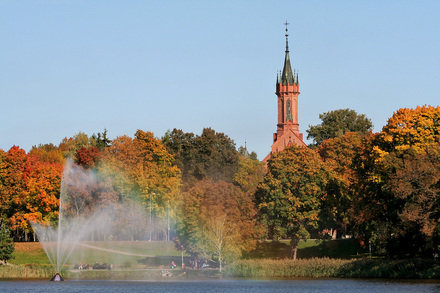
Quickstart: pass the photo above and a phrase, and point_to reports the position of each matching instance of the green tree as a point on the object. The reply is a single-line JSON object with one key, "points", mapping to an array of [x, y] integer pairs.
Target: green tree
{"points": [[289, 198], [6, 245], [101, 140], [337, 122], [211, 155]]}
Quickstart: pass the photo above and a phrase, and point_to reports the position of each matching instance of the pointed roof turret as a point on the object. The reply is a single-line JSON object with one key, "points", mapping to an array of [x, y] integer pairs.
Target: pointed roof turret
{"points": [[287, 75]]}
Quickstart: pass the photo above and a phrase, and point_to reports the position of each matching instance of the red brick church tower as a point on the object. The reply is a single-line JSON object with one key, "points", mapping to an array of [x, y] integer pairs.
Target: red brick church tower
{"points": [[287, 91]]}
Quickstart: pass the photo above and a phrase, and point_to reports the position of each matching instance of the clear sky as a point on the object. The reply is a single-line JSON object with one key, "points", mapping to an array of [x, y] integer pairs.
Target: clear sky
{"points": [[71, 66]]}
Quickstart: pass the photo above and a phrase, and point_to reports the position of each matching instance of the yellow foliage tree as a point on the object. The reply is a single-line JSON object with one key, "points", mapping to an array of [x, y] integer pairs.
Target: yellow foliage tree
{"points": [[411, 128], [142, 169]]}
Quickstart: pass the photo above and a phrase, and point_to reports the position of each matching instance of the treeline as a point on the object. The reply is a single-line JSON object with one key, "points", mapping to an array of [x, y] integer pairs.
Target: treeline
{"points": [[145, 170], [381, 188]]}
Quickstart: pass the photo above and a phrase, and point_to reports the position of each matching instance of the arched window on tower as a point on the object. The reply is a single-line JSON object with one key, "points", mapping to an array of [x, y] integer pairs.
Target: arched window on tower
{"points": [[289, 111]]}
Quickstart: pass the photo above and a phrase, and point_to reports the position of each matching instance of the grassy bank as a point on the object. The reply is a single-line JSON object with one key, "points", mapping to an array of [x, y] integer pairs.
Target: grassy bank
{"points": [[28, 271], [127, 254], [146, 260], [341, 248], [336, 268], [285, 268], [392, 269], [27, 253]]}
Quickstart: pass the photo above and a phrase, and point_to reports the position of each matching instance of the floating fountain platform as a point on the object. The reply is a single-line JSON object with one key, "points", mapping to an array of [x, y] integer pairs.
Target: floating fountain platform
{"points": [[57, 278]]}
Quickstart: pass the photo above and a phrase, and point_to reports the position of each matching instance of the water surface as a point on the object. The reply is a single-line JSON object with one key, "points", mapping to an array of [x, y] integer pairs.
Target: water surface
{"points": [[229, 286]]}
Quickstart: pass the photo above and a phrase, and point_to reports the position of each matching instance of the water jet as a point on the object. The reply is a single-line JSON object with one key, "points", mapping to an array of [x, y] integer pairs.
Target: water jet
{"points": [[89, 210]]}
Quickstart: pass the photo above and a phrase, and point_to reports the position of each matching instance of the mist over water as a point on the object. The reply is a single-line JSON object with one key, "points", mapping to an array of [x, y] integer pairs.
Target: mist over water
{"points": [[91, 210]]}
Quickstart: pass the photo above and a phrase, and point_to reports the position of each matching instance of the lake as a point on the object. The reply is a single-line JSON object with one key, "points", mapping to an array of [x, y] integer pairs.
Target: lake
{"points": [[230, 286]]}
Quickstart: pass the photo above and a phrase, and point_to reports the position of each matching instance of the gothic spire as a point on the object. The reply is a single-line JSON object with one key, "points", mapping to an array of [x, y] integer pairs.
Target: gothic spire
{"points": [[287, 75]]}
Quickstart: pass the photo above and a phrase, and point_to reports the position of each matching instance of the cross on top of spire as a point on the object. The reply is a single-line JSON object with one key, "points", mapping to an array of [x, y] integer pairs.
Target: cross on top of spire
{"points": [[287, 77]]}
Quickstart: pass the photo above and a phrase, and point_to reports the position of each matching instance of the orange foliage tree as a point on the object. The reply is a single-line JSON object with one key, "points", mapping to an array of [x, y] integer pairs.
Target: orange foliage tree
{"points": [[30, 189], [87, 157]]}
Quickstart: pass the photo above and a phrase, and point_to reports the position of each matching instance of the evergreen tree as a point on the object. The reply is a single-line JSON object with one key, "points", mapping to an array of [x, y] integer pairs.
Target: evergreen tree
{"points": [[6, 245]]}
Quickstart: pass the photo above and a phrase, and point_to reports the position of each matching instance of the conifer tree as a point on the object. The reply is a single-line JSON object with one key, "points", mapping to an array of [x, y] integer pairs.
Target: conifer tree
{"points": [[6, 245]]}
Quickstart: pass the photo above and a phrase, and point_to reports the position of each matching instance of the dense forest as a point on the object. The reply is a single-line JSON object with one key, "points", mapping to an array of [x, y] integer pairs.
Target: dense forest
{"points": [[380, 188]]}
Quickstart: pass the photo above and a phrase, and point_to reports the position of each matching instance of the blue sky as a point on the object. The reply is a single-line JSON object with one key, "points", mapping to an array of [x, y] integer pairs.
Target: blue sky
{"points": [[71, 66]]}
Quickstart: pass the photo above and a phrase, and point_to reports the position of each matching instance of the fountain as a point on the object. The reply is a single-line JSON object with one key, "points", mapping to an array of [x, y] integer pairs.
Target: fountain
{"points": [[59, 242], [88, 210]]}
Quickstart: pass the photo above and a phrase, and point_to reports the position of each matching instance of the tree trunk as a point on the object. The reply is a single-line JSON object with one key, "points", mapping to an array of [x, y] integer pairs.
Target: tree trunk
{"points": [[220, 261], [294, 247]]}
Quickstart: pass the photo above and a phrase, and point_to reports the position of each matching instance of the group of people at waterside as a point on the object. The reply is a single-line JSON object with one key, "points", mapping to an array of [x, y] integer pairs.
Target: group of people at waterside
{"points": [[96, 266], [197, 264]]}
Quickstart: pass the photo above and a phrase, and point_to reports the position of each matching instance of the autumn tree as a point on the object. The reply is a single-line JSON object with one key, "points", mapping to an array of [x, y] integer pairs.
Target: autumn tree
{"points": [[409, 136], [289, 198], [70, 146], [373, 209], [5, 195], [142, 169], [339, 154], [43, 181], [249, 174], [30, 190], [48, 153], [216, 221], [416, 185], [87, 157], [337, 122], [411, 128], [84, 191]]}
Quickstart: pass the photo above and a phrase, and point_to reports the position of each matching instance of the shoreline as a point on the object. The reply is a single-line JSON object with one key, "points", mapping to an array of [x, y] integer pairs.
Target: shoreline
{"points": [[322, 268]]}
